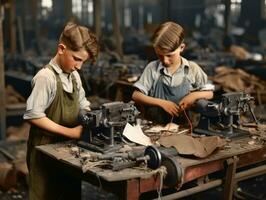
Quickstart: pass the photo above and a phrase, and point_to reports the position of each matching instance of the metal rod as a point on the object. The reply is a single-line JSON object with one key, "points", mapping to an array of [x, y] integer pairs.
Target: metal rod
{"points": [[238, 177], [250, 173], [193, 190]]}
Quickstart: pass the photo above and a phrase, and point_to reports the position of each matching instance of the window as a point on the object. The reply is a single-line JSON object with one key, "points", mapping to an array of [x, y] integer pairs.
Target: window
{"points": [[235, 9], [46, 7]]}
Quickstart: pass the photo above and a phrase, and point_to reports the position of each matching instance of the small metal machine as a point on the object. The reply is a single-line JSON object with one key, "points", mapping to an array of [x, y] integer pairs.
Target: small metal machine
{"points": [[223, 118], [106, 125], [153, 156]]}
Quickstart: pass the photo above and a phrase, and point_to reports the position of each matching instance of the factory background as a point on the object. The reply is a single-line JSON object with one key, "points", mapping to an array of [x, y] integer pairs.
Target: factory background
{"points": [[29, 32]]}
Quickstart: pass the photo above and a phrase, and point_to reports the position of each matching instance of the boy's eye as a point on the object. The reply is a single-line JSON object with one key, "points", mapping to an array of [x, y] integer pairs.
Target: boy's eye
{"points": [[76, 59]]}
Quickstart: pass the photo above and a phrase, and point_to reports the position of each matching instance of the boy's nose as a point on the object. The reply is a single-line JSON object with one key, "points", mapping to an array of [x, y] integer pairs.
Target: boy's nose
{"points": [[78, 67], [165, 60]]}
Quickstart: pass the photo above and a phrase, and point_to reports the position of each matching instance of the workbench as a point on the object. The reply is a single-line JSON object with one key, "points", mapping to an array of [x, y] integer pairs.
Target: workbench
{"points": [[238, 161]]}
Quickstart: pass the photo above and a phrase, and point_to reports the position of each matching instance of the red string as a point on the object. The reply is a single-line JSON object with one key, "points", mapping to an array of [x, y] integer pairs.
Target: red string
{"points": [[189, 121]]}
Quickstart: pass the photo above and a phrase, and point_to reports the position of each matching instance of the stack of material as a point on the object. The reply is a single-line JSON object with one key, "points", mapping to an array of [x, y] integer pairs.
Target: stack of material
{"points": [[18, 132], [12, 163], [12, 96], [232, 80]]}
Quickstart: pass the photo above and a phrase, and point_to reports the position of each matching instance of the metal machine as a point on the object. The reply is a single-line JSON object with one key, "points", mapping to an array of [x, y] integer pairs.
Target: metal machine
{"points": [[223, 118], [105, 125], [153, 156]]}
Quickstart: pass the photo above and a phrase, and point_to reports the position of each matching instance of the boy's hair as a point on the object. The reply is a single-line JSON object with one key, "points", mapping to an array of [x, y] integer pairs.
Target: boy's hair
{"points": [[77, 37], [168, 37]]}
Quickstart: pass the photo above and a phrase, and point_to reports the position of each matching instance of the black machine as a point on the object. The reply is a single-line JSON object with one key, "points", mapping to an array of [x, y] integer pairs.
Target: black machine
{"points": [[153, 156], [106, 124], [223, 118]]}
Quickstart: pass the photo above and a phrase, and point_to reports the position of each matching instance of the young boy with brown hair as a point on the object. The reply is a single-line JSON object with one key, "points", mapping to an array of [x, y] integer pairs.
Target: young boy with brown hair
{"points": [[52, 109], [172, 83]]}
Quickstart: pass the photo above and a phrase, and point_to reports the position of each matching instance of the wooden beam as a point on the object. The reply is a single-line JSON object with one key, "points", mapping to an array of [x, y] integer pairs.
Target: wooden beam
{"points": [[116, 28], [12, 27], [34, 18], [2, 80], [21, 35], [227, 16], [97, 17], [68, 9]]}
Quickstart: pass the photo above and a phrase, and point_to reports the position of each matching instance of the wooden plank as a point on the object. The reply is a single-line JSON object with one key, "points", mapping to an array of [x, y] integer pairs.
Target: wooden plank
{"points": [[116, 28], [21, 35], [132, 190], [193, 168], [194, 172], [132, 182], [68, 9], [61, 152], [12, 27], [2, 80], [97, 17], [16, 106]]}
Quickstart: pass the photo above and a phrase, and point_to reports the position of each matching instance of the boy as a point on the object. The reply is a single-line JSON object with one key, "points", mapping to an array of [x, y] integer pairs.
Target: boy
{"points": [[52, 109], [172, 83]]}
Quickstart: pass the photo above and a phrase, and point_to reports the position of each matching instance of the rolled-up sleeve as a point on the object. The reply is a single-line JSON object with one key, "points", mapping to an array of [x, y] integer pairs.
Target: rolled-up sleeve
{"points": [[200, 81], [146, 80], [43, 93]]}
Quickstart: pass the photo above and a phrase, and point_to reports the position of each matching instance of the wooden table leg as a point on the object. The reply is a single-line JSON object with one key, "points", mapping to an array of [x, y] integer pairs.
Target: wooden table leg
{"points": [[230, 178], [132, 189]]}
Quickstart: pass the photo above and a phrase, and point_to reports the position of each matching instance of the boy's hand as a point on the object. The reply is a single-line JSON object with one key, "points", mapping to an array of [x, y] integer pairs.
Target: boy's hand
{"points": [[76, 132], [186, 102], [170, 107]]}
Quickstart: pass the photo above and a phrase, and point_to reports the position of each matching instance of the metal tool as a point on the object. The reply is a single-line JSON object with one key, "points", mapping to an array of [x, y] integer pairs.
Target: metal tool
{"points": [[106, 124], [155, 157], [223, 118], [174, 171]]}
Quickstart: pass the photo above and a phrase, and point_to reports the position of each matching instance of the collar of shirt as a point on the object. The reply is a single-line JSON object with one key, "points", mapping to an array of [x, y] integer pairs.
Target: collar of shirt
{"points": [[66, 79], [58, 69], [161, 68]]}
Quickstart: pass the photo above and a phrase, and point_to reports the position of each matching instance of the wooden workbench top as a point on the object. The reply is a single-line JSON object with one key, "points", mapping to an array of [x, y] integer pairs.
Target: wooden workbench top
{"points": [[237, 147]]}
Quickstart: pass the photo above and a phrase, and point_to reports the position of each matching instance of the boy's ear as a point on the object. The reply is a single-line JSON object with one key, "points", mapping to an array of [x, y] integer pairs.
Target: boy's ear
{"points": [[61, 48], [182, 46]]}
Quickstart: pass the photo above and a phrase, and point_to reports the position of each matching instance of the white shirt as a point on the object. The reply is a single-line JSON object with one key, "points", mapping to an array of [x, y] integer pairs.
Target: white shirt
{"points": [[44, 88], [196, 76]]}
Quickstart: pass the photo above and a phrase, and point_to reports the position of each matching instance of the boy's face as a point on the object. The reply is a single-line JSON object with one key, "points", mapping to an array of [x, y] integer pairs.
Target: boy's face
{"points": [[170, 59], [71, 60]]}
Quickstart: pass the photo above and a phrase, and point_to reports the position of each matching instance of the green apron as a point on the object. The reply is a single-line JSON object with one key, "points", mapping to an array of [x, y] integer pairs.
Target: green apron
{"points": [[47, 180]]}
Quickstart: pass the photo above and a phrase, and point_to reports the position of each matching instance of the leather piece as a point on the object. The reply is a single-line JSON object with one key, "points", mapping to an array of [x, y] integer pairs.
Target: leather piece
{"points": [[187, 145]]}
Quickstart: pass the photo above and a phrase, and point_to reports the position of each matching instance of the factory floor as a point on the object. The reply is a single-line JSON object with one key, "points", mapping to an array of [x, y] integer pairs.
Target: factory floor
{"points": [[249, 189]]}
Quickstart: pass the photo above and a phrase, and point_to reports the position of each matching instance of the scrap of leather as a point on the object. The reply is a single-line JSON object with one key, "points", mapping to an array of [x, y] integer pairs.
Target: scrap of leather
{"points": [[237, 80], [198, 146]]}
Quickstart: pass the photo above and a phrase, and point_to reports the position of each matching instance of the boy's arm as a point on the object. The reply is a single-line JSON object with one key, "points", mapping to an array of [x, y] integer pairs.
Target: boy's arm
{"points": [[169, 106], [190, 99], [48, 125]]}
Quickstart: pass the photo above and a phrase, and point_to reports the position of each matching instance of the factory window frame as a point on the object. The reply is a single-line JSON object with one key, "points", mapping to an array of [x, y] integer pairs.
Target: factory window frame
{"points": [[77, 8], [83, 10], [263, 11], [127, 14], [46, 8], [235, 9]]}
